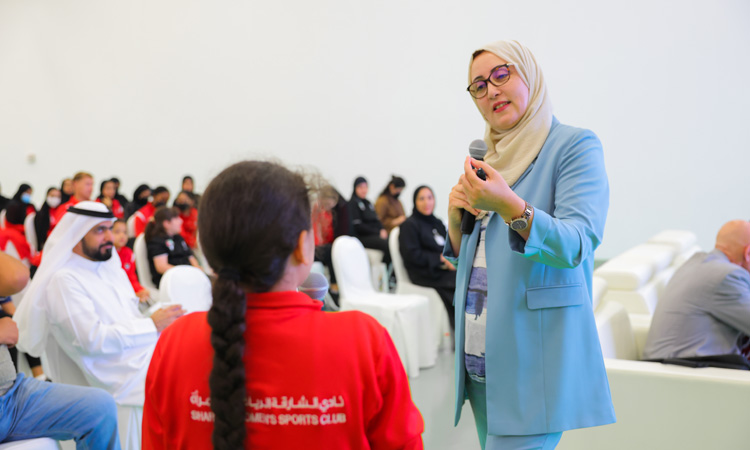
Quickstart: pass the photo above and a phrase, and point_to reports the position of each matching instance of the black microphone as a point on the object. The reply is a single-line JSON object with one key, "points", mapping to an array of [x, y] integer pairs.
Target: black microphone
{"points": [[315, 286], [477, 150]]}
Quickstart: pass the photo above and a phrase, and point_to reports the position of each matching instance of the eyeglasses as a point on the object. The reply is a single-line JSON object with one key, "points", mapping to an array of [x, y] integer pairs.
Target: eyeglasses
{"points": [[498, 77]]}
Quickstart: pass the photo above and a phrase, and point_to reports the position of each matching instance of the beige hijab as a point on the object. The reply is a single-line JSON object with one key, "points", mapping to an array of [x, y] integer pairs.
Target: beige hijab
{"points": [[510, 152]]}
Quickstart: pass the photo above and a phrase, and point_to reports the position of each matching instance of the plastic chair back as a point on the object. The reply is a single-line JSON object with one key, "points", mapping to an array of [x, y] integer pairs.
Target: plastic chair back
{"points": [[188, 286], [352, 266], [2, 219], [30, 231], [142, 267], [130, 224]]}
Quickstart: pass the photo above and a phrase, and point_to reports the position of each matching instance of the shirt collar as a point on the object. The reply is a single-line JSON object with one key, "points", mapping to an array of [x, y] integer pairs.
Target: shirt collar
{"points": [[285, 299]]}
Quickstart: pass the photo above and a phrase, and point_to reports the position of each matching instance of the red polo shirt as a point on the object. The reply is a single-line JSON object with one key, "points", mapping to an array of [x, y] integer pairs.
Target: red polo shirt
{"points": [[142, 217], [314, 379]]}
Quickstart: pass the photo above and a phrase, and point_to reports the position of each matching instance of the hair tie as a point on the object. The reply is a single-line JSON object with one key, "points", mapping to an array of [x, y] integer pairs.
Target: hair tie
{"points": [[230, 274]]}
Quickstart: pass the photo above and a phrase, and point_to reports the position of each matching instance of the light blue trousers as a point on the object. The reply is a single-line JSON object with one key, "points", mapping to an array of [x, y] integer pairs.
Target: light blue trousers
{"points": [[478, 399], [32, 409]]}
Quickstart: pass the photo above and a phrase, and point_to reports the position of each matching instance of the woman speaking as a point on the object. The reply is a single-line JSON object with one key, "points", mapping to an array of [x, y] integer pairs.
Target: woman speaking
{"points": [[527, 352]]}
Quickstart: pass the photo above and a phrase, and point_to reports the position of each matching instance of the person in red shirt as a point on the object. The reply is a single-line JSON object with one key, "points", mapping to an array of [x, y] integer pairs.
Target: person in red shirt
{"points": [[322, 218], [127, 258], [107, 196], [159, 197], [189, 215], [18, 208], [83, 186], [258, 370]]}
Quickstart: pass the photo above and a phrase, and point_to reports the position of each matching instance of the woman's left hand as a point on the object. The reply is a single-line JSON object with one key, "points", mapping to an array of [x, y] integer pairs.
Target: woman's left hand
{"points": [[492, 194]]}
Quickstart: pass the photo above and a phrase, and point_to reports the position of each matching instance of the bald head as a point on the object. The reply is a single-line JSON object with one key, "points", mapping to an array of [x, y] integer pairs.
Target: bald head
{"points": [[734, 240]]}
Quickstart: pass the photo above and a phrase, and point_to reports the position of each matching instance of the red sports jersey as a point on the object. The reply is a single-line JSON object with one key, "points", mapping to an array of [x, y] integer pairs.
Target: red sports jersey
{"points": [[142, 217], [315, 380], [127, 259]]}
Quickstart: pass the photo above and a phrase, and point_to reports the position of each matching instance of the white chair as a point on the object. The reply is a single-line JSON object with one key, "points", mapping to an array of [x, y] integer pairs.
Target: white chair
{"points": [[378, 269], [663, 406], [188, 286], [61, 368], [438, 313], [130, 226], [30, 232], [406, 317], [31, 444], [615, 332], [2, 218], [142, 267]]}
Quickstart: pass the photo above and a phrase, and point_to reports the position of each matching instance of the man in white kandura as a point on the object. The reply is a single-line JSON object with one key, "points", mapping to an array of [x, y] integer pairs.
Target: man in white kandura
{"points": [[81, 311]]}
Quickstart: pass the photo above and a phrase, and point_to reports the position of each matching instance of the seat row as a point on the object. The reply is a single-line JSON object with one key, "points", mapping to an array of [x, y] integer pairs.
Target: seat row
{"points": [[658, 406]]}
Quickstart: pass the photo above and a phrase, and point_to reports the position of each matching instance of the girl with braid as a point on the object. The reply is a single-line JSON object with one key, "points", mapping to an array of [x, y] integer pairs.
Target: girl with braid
{"points": [[258, 371]]}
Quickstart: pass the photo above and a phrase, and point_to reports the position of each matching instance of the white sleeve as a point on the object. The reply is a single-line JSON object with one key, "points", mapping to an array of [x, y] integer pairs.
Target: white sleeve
{"points": [[72, 311]]}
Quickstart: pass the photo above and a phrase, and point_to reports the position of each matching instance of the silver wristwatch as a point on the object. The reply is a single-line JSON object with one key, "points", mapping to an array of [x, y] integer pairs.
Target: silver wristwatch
{"points": [[521, 222]]}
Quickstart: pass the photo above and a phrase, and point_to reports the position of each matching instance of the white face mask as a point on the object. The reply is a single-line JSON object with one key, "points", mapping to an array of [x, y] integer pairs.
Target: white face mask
{"points": [[53, 202]]}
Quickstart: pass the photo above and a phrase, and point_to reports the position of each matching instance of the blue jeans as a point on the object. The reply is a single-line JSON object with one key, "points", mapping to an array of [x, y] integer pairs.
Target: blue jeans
{"points": [[477, 393], [33, 409]]}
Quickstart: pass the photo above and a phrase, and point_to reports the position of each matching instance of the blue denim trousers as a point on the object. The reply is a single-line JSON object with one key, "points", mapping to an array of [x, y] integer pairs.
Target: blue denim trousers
{"points": [[477, 394], [33, 409]]}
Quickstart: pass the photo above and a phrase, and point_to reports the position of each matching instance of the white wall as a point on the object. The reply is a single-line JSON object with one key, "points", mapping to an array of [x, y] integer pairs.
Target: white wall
{"points": [[150, 91]]}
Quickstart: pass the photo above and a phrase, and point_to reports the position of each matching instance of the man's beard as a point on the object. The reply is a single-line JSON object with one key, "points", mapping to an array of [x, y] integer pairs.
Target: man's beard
{"points": [[97, 254]]}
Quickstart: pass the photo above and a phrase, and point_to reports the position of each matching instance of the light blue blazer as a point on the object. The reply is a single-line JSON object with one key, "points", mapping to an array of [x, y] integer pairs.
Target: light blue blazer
{"points": [[544, 367]]}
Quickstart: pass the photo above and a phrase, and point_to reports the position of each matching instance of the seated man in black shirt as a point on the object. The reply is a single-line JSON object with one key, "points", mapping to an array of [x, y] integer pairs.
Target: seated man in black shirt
{"points": [[166, 248]]}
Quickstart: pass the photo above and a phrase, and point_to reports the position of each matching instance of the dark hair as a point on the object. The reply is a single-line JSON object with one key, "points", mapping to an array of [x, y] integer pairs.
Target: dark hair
{"points": [[251, 216], [158, 190], [155, 227], [187, 177], [477, 53], [21, 189], [122, 221], [357, 181], [101, 188], [396, 181]]}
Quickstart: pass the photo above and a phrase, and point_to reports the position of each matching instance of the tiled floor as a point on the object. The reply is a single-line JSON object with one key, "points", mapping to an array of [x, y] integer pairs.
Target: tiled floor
{"points": [[433, 393]]}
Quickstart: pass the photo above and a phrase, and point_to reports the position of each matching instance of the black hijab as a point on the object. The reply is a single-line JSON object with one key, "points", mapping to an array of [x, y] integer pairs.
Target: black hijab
{"points": [[16, 211], [357, 182], [42, 221], [431, 219]]}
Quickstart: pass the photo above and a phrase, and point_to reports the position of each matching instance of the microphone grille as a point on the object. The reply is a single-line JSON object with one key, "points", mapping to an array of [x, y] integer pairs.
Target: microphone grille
{"points": [[478, 149]]}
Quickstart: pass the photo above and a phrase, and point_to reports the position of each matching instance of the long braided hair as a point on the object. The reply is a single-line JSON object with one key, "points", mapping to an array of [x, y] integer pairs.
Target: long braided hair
{"points": [[251, 216]]}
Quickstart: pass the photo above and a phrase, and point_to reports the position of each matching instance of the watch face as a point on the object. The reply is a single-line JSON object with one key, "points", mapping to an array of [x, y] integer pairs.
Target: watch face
{"points": [[519, 224]]}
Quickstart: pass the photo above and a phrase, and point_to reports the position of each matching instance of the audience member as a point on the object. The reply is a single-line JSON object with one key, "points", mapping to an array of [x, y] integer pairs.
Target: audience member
{"points": [[83, 186], [388, 207], [189, 215], [140, 199], [226, 362], [3, 202], [127, 258], [34, 409], [18, 208], [107, 196], [118, 195], [166, 247], [188, 186], [365, 223], [705, 308], [159, 198], [322, 219], [66, 190], [421, 242], [46, 217]]}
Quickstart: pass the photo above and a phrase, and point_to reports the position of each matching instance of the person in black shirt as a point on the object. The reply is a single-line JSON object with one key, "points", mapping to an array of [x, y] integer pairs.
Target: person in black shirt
{"points": [[421, 244], [365, 223], [166, 248]]}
